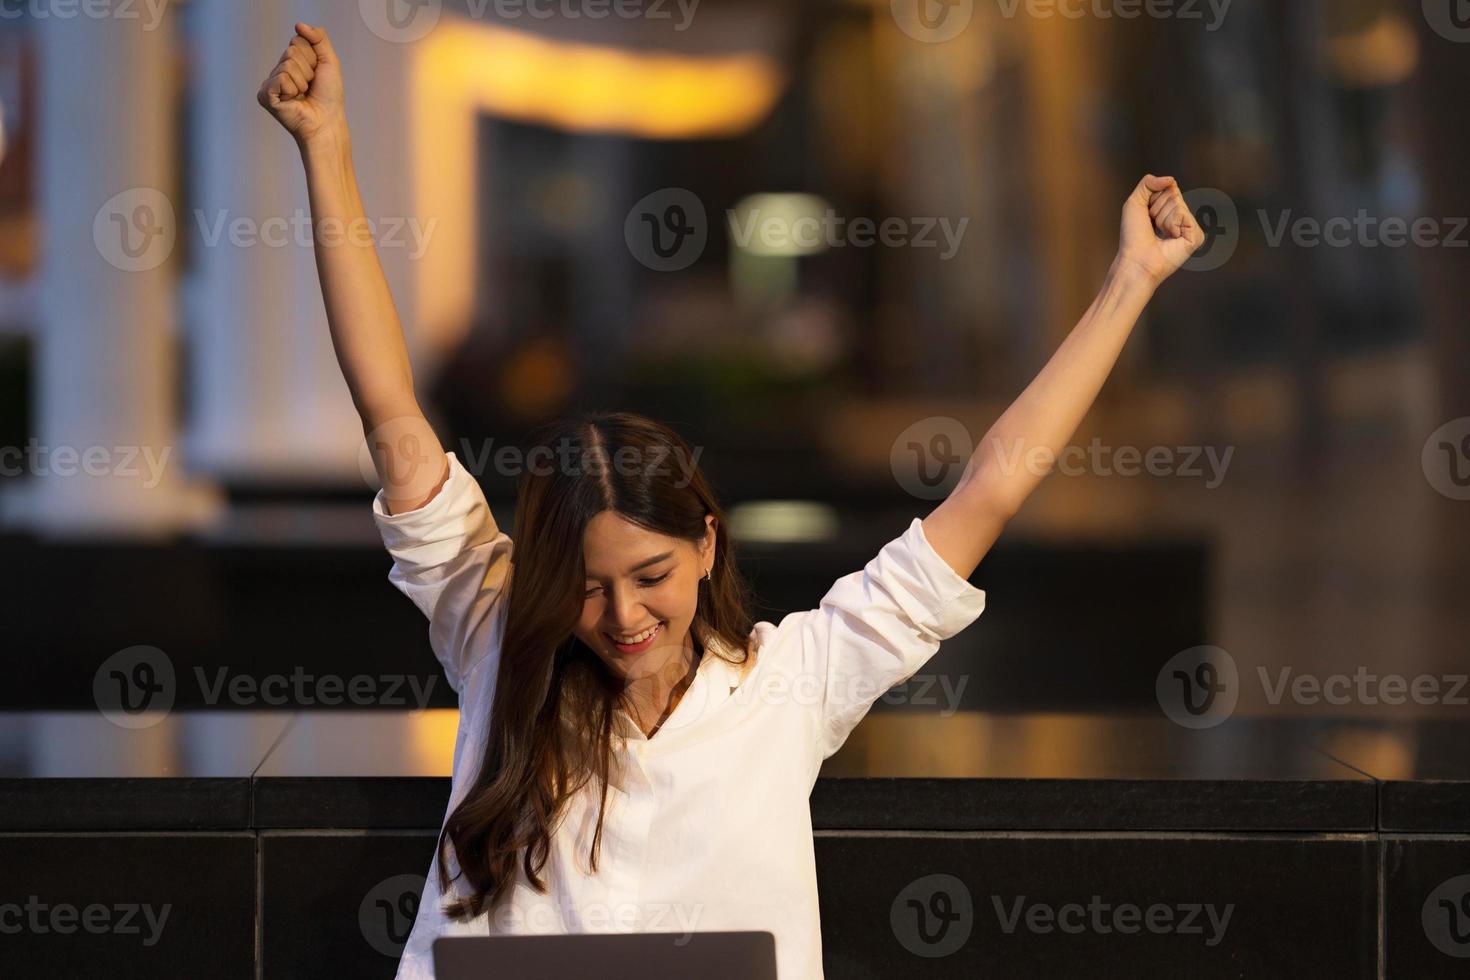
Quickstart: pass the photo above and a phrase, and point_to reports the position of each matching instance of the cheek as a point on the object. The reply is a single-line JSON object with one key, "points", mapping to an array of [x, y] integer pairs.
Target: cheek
{"points": [[676, 599], [591, 613]]}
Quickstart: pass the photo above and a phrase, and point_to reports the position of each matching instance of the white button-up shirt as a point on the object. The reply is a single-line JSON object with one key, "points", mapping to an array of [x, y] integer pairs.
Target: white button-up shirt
{"points": [[708, 826]]}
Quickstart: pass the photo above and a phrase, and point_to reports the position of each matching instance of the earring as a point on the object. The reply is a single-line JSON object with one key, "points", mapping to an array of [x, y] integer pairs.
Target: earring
{"points": [[707, 572]]}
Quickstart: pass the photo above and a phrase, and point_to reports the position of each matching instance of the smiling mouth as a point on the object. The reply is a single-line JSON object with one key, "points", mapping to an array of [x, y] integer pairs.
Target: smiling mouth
{"points": [[638, 641]]}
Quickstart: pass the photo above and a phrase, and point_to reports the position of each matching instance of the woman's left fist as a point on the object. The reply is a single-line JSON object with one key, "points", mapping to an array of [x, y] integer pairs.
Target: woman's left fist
{"points": [[1159, 234]]}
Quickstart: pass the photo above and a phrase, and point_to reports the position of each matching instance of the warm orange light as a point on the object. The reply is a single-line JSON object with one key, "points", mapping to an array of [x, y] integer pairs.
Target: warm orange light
{"points": [[430, 748], [604, 89], [1382, 54]]}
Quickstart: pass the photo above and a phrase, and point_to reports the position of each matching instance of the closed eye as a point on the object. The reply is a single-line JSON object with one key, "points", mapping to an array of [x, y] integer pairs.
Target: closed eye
{"points": [[645, 582]]}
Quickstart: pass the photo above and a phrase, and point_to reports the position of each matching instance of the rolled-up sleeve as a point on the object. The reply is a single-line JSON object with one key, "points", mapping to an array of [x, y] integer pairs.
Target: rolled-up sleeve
{"points": [[876, 627], [454, 562]]}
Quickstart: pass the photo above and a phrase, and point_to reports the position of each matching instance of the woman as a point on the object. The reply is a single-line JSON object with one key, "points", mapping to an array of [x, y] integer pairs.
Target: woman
{"points": [[633, 753]]}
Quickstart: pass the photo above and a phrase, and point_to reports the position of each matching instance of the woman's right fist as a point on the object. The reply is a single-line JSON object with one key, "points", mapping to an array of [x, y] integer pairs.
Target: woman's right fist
{"points": [[304, 90]]}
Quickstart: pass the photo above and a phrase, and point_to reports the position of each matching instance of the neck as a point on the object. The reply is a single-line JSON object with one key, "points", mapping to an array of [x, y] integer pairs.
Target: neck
{"points": [[657, 694]]}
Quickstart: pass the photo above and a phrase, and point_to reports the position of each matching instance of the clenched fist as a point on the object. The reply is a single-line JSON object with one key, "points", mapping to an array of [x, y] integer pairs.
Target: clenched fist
{"points": [[1159, 234], [304, 90]]}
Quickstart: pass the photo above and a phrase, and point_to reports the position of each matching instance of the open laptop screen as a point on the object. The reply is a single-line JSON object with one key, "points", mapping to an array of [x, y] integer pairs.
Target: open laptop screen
{"points": [[608, 956]]}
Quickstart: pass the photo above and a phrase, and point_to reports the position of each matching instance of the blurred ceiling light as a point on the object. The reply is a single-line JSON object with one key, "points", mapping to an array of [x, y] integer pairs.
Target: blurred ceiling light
{"points": [[598, 88], [1381, 53], [783, 521], [779, 224]]}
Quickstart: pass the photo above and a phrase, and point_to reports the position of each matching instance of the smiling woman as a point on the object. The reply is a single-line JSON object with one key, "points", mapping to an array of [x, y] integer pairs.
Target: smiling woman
{"points": [[612, 681], [631, 580]]}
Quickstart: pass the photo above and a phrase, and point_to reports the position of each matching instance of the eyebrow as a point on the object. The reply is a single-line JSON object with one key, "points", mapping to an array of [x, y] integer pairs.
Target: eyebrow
{"points": [[643, 564]]}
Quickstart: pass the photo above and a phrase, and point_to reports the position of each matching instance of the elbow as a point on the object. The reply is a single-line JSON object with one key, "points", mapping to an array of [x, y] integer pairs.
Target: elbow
{"points": [[996, 499]]}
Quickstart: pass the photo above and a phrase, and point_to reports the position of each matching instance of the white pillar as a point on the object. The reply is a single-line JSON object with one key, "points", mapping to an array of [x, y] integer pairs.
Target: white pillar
{"points": [[270, 401], [104, 459]]}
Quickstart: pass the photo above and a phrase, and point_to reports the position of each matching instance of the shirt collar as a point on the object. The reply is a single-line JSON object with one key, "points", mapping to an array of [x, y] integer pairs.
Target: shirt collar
{"points": [[715, 679]]}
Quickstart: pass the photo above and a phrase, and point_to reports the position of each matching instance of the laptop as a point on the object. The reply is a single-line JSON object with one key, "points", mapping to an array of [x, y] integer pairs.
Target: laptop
{"points": [[608, 956]]}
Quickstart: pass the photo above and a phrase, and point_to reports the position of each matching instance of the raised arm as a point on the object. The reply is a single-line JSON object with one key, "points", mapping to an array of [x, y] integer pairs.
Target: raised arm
{"points": [[1158, 236], [305, 95]]}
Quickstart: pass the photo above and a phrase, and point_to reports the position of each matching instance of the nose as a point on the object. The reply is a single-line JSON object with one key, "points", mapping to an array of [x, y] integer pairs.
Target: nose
{"points": [[623, 611]]}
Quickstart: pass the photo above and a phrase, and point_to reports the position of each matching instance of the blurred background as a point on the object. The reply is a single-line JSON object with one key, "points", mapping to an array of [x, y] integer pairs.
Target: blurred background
{"points": [[183, 470]]}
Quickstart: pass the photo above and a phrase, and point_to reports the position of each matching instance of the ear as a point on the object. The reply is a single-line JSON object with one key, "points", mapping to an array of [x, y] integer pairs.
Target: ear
{"points": [[707, 547]]}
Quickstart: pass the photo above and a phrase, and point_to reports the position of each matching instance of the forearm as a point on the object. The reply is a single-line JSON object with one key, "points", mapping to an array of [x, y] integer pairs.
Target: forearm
{"points": [[305, 94], [1158, 235], [1022, 446], [361, 315]]}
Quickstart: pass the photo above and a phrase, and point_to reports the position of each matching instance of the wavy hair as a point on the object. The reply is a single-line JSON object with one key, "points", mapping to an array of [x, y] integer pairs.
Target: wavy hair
{"points": [[533, 763]]}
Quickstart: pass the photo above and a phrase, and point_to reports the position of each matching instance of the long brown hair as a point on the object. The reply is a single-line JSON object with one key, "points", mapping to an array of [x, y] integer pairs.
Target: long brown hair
{"points": [[533, 763]]}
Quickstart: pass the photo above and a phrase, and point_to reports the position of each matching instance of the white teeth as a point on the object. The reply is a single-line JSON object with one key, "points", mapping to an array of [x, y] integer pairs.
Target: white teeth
{"points": [[640, 637]]}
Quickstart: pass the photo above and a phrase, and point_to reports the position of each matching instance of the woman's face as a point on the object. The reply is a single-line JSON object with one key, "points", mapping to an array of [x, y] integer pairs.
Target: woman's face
{"points": [[639, 580]]}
